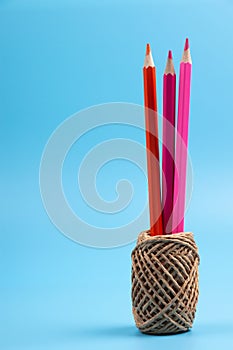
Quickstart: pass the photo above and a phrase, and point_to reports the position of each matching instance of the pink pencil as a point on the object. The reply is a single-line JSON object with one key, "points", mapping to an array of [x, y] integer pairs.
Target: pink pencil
{"points": [[169, 107], [182, 141]]}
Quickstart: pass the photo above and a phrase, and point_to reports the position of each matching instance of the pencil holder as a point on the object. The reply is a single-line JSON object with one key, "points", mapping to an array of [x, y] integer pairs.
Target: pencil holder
{"points": [[165, 282]]}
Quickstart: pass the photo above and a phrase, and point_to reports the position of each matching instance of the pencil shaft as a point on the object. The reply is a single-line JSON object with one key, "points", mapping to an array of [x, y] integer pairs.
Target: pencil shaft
{"points": [[181, 147], [152, 144]]}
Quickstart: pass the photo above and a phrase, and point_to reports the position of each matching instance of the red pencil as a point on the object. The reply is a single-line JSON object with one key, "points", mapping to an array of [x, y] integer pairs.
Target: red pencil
{"points": [[152, 144], [182, 140], [169, 107]]}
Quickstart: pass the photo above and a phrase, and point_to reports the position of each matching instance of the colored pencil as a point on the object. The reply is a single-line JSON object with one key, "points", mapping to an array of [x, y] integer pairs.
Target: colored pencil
{"points": [[152, 144], [168, 150], [182, 140]]}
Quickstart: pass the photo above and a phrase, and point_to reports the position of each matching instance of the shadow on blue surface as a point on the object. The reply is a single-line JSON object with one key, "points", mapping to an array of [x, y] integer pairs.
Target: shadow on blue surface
{"points": [[200, 330], [103, 332], [203, 336], [127, 331], [214, 329]]}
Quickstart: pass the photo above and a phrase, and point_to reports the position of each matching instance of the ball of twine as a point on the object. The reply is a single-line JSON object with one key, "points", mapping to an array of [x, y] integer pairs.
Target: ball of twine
{"points": [[165, 282]]}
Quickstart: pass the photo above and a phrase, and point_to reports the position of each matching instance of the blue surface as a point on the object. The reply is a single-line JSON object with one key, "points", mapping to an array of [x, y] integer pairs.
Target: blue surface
{"points": [[54, 293]]}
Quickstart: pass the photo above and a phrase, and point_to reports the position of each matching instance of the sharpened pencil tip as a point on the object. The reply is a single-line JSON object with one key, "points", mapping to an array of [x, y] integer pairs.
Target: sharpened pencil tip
{"points": [[169, 66], [148, 62], [186, 46], [147, 49]]}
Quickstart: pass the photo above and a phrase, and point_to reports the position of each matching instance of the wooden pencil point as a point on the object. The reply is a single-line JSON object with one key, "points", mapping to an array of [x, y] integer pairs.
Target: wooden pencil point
{"points": [[170, 65], [149, 62]]}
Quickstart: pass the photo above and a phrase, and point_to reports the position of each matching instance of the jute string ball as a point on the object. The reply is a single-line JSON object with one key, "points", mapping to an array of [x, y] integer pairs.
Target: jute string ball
{"points": [[165, 282]]}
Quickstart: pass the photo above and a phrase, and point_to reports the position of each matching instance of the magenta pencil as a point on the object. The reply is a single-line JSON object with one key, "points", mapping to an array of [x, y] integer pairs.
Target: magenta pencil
{"points": [[168, 150], [182, 140]]}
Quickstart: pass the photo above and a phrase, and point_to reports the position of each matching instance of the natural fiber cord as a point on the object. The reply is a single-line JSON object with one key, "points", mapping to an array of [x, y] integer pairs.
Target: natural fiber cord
{"points": [[165, 282]]}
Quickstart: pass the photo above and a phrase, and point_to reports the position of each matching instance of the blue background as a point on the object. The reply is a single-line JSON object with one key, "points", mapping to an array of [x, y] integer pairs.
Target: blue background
{"points": [[57, 57]]}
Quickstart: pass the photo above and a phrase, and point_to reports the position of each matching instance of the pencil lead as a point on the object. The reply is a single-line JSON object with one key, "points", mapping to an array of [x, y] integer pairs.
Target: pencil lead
{"points": [[148, 49], [186, 46], [170, 55]]}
